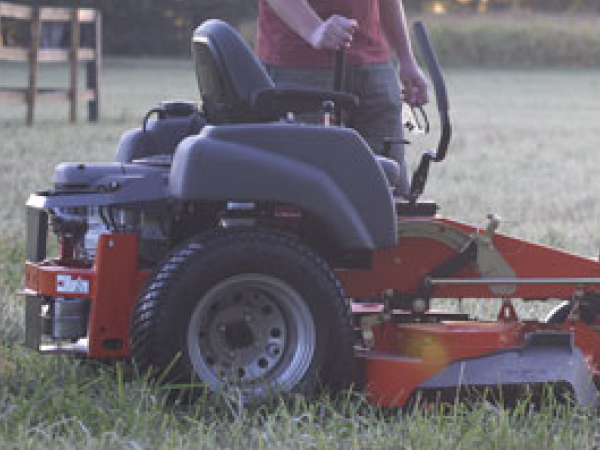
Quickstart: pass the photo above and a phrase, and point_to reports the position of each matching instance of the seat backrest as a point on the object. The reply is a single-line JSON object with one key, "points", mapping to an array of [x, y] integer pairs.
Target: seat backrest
{"points": [[228, 72]]}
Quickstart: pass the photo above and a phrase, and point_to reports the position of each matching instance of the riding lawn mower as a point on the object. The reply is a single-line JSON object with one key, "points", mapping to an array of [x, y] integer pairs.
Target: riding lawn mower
{"points": [[232, 246]]}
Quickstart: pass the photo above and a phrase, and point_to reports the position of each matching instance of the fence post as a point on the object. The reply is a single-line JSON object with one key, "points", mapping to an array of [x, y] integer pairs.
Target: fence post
{"points": [[35, 56], [93, 71], [34, 49], [74, 63], [1, 36]]}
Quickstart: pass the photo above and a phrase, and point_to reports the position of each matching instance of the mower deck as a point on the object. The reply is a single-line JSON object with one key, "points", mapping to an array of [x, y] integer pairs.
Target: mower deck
{"points": [[406, 359]]}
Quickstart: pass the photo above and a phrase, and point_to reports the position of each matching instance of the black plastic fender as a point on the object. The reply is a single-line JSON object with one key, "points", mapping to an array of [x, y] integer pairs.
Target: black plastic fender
{"points": [[329, 172]]}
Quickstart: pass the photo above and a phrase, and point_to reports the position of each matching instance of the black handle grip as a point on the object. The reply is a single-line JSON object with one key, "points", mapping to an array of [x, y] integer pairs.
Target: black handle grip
{"points": [[433, 67]]}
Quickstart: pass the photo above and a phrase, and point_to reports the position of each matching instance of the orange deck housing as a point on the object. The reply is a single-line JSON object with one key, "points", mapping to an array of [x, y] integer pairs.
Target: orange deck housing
{"points": [[403, 355]]}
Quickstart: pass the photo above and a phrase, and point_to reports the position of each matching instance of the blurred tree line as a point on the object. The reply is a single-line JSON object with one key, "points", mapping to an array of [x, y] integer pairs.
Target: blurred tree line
{"points": [[483, 6], [147, 27]]}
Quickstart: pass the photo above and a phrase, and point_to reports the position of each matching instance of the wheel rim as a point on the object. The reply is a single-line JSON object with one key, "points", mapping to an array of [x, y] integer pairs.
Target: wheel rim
{"points": [[252, 331]]}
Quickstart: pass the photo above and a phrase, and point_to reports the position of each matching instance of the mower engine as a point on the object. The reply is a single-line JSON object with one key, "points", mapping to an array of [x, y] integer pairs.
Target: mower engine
{"points": [[89, 201], [79, 228]]}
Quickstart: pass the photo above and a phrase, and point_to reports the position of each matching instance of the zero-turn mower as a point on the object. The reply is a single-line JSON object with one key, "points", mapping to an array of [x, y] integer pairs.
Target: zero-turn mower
{"points": [[229, 245]]}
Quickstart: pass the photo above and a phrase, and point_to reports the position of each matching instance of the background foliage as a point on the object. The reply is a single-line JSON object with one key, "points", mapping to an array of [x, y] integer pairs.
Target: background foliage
{"points": [[151, 27]]}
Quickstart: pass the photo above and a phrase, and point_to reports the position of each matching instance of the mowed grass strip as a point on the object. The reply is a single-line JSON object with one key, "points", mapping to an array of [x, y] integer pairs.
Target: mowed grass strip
{"points": [[526, 147]]}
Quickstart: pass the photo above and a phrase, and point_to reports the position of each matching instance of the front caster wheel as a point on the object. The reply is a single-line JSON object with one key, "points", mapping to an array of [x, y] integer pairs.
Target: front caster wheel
{"points": [[252, 309]]}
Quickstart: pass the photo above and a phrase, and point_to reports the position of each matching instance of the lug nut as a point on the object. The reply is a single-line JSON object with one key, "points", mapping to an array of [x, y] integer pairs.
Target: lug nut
{"points": [[273, 350]]}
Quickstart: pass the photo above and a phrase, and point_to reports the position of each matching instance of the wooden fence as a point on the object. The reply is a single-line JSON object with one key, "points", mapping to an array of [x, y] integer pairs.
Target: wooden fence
{"points": [[68, 21]]}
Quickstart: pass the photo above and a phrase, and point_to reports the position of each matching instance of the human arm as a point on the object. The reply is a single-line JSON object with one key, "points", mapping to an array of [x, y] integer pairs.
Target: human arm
{"points": [[332, 33], [394, 25]]}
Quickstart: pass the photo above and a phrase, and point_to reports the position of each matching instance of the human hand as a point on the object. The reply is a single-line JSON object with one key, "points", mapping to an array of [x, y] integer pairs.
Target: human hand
{"points": [[414, 83], [334, 33]]}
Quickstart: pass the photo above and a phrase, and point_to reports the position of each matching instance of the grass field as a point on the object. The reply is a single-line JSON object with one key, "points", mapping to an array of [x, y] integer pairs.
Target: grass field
{"points": [[526, 147]]}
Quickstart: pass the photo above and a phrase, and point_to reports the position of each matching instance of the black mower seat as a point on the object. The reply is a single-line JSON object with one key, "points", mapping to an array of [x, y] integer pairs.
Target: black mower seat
{"points": [[235, 88]]}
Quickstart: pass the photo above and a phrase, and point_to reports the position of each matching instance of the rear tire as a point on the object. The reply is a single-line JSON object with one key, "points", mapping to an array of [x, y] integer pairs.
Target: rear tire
{"points": [[253, 309]]}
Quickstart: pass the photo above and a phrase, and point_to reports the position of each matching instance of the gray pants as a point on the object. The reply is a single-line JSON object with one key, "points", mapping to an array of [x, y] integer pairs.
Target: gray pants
{"points": [[379, 115]]}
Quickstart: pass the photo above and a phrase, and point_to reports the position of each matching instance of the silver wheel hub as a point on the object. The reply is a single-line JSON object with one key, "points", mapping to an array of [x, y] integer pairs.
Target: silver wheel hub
{"points": [[252, 331]]}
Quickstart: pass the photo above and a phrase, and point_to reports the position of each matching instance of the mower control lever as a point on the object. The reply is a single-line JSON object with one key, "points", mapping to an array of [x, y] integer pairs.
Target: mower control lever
{"points": [[339, 75], [421, 173]]}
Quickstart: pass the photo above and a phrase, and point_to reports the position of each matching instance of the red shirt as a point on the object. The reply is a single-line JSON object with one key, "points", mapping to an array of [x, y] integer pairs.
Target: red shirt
{"points": [[279, 45]]}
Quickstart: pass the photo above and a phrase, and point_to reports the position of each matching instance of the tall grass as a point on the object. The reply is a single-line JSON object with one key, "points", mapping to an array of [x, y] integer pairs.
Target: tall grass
{"points": [[59, 403]]}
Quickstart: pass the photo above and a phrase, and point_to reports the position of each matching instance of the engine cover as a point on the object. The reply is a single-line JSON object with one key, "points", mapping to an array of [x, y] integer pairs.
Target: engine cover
{"points": [[98, 184]]}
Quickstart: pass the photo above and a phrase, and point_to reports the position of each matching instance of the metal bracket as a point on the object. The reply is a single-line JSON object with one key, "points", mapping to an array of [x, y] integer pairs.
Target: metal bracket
{"points": [[366, 328], [477, 248], [507, 312], [575, 312], [490, 262], [33, 321]]}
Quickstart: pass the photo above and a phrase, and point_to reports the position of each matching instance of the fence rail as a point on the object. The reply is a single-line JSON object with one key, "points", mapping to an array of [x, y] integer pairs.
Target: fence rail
{"points": [[68, 20]]}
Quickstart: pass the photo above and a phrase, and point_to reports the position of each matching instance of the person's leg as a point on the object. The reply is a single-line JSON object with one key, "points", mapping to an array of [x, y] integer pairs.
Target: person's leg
{"points": [[379, 115]]}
